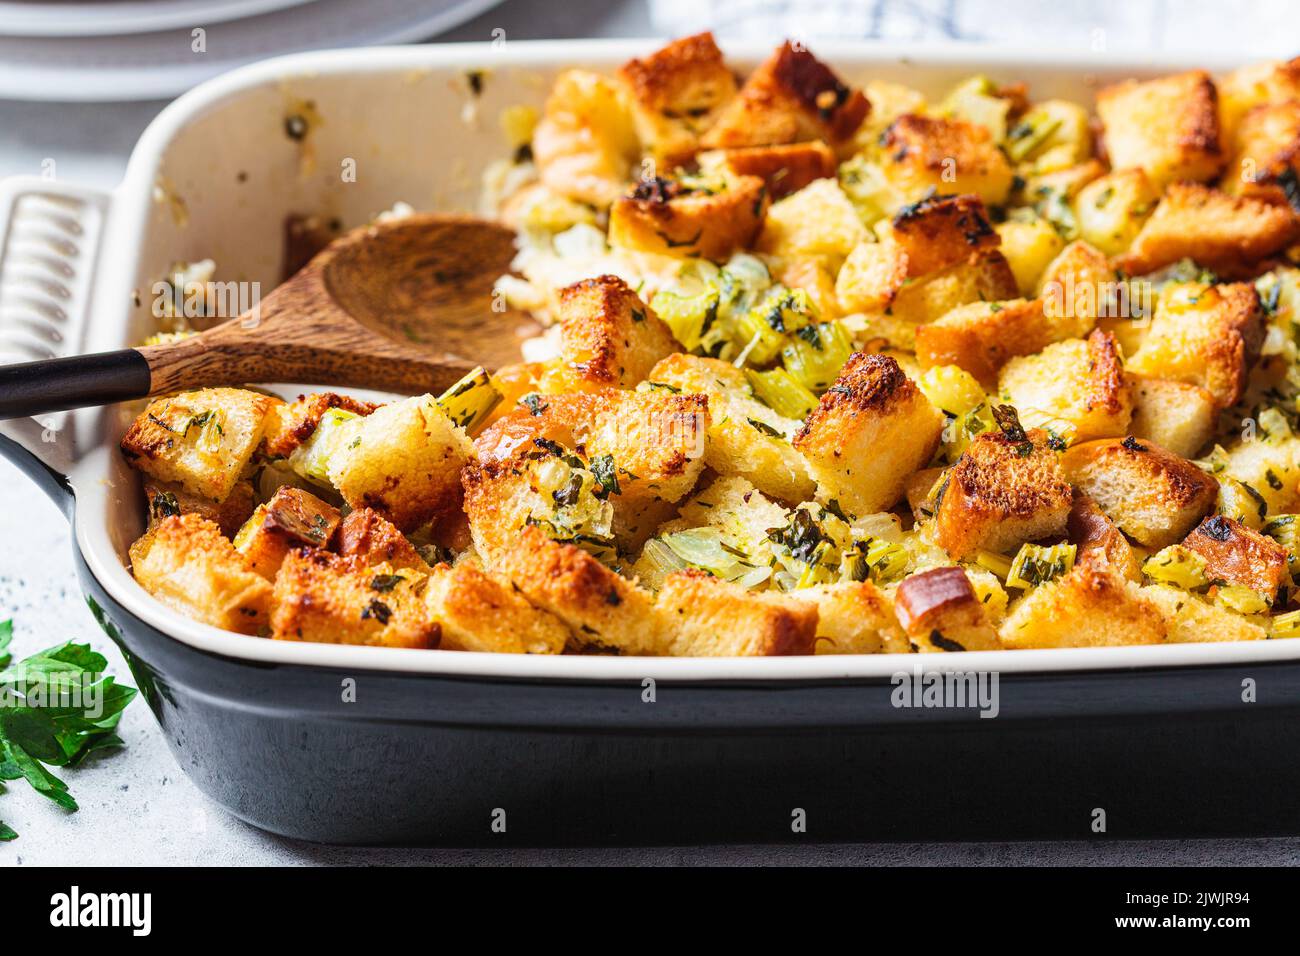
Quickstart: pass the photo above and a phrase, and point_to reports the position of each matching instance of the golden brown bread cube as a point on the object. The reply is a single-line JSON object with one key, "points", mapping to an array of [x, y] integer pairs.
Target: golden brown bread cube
{"points": [[586, 142], [202, 440], [939, 611], [292, 518], [1087, 607], [786, 168], [1112, 208], [662, 216], [326, 598], [1237, 555], [872, 406], [1154, 496], [1078, 288], [792, 97], [1208, 336], [292, 424], [1006, 489], [1176, 416], [676, 94], [854, 617], [1169, 127], [478, 611], [941, 231], [1029, 245], [924, 153], [186, 563], [369, 536], [818, 222], [1192, 620], [1267, 153], [1099, 542], [608, 336], [166, 498], [981, 337], [1274, 81], [704, 616], [1076, 388], [1230, 234]]}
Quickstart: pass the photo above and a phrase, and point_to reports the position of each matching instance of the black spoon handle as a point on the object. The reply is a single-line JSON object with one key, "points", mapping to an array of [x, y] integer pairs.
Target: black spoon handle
{"points": [[54, 385]]}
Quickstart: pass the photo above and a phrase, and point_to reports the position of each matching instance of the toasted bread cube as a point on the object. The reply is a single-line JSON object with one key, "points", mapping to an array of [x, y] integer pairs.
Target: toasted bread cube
{"points": [[1112, 209], [403, 460], [609, 337], [939, 611], [329, 599], [660, 216], [292, 518], [369, 536], [707, 617], [1098, 541], [818, 282], [922, 492], [785, 169], [1230, 234], [1267, 152], [1154, 496], [920, 154], [1270, 465], [1176, 416], [166, 498], [1005, 490], [854, 617], [292, 425], [818, 221], [1078, 287], [1191, 620], [1208, 336], [1238, 555], [1087, 607], [1029, 246], [478, 611], [1169, 127], [735, 444], [188, 564], [1240, 91], [941, 231], [601, 608], [676, 94], [872, 406], [586, 142], [792, 97], [1077, 387], [202, 440], [981, 337]]}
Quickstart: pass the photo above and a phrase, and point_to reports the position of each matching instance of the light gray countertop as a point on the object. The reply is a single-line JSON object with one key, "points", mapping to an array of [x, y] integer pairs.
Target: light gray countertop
{"points": [[138, 808]]}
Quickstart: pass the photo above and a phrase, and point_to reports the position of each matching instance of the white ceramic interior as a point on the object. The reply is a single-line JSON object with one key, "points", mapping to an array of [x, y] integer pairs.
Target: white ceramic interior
{"points": [[407, 118]]}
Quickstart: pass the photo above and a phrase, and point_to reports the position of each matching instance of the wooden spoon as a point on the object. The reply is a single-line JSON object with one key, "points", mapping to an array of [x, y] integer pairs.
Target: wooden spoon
{"points": [[401, 306]]}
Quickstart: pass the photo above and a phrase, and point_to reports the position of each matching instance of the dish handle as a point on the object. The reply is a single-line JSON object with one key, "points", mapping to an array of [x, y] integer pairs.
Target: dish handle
{"points": [[50, 236]]}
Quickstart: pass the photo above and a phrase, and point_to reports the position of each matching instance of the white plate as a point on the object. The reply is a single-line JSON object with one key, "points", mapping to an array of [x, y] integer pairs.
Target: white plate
{"points": [[53, 19], [163, 64]]}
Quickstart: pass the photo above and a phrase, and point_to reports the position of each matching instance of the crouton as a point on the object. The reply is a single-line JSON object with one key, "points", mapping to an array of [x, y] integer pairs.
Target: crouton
{"points": [[1230, 234], [1192, 620], [1029, 245], [586, 142], [1006, 489], [1078, 287], [403, 460], [1086, 607], [706, 617], [609, 337], [1154, 496], [1168, 127], [676, 94], [1267, 154], [1208, 336], [924, 153], [670, 218], [1176, 416], [941, 231], [785, 169], [1239, 556], [1270, 466], [367, 535], [326, 598], [871, 406], [1258, 83], [981, 337], [1098, 541], [1112, 209], [792, 97], [1077, 388], [817, 222], [292, 425], [745, 437], [292, 518], [480, 612], [166, 498], [186, 563], [201, 440], [854, 617], [939, 611]]}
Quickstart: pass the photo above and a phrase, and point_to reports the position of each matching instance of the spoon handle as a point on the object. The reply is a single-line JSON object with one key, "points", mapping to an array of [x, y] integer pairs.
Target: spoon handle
{"points": [[55, 385]]}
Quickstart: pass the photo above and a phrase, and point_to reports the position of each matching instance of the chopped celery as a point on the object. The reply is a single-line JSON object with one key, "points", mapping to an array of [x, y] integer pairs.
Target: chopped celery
{"points": [[1243, 600], [1286, 625], [689, 316], [815, 354], [761, 331], [951, 389], [1035, 564], [868, 190], [975, 101], [1033, 131], [999, 564], [311, 458], [1176, 566], [779, 391], [469, 402]]}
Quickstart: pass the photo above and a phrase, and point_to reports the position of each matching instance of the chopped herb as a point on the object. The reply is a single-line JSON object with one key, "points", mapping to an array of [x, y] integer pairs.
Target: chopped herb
{"points": [[534, 404], [944, 643], [765, 428], [568, 495], [605, 473], [377, 609], [165, 505], [385, 582], [1216, 528], [1132, 444]]}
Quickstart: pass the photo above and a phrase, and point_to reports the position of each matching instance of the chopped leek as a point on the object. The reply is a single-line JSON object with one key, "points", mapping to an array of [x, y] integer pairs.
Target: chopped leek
{"points": [[779, 391], [762, 330], [469, 402], [815, 354], [1243, 600], [1177, 566], [1286, 625], [311, 458], [1283, 529], [1035, 564], [999, 564]]}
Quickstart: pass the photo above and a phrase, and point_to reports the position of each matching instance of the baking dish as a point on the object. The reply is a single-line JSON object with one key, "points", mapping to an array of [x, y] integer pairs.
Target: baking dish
{"points": [[359, 744]]}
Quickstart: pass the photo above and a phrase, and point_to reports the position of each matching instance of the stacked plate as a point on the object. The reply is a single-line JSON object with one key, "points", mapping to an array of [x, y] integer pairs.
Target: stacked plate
{"points": [[152, 49]]}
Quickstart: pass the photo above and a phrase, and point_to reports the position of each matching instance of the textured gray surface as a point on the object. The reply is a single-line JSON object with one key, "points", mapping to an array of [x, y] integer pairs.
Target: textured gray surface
{"points": [[138, 808]]}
